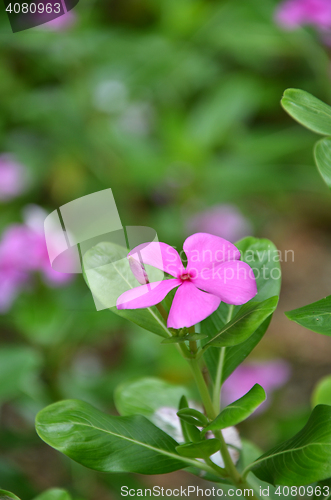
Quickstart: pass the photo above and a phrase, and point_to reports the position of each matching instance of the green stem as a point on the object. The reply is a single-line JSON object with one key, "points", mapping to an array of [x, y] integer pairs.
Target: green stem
{"points": [[230, 468], [202, 388], [218, 381], [162, 311], [219, 373]]}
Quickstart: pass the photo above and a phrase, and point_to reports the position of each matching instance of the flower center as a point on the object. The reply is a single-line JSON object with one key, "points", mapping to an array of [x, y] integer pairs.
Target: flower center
{"points": [[185, 276]]}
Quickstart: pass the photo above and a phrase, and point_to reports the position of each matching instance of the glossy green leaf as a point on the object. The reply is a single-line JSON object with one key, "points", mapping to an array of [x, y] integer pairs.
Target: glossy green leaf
{"points": [[303, 459], [54, 494], [239, 410], [106, 443], [7, 495], [192, 416], [322, 155], [315, 316], [263, 257], [249, 453], [202, 449], [190, 432], [237, 354], [308, 110], [146, 395], [244, 324], [322, 392], [108, 275], [185, 338]]}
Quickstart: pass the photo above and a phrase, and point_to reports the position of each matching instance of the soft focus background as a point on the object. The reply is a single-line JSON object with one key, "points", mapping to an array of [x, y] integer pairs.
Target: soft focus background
{"points": [[175, 105]]}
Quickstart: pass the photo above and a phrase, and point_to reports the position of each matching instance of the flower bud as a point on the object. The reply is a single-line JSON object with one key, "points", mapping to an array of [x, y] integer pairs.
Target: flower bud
{"points": [[139, 271]]}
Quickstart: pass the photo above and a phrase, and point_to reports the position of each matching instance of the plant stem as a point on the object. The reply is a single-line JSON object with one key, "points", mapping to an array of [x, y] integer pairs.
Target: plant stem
{"points": [[230, 468], [218, 382], [162, 311], [218, 379]]}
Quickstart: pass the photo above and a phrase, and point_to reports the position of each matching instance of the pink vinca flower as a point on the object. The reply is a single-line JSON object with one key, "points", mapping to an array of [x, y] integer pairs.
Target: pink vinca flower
{"points": [[213, 274]]}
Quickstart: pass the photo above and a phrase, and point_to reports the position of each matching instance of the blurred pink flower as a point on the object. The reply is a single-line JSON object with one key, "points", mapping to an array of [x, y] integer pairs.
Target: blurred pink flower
{"points": [[213, 266], [222, 220], [270, 375], [22, 252], [13, 177], [61, 23], [34, 217], [291, 14]]}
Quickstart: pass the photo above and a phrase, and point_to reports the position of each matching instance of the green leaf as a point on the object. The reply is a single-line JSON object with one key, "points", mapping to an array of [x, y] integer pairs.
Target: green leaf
{"points": [[203, 449], [190, 432], [108, 274], [106, 443], [146, 395], [192, 416], [322, 153], [263, 257], [6, 495], [249, 453], [315, 316], [308, 110], [237, 354], [244, 324], [303, 459], [54, 494], [185, 338], [239, 410], [322, 392]]}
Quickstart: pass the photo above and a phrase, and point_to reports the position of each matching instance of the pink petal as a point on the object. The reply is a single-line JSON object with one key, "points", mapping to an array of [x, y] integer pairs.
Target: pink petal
{"points": [[203, 250], [190, 306], [146, 295], [233, 282], [159, 255]]}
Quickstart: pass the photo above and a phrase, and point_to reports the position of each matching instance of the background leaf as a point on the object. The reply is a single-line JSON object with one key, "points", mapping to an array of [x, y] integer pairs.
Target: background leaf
{"points": [[239, 410], [19, 368], [106, 443], [303, 459], [322, 392], [308, 110], [6, 495], [322, 155], [54, 494], [315, 316]]}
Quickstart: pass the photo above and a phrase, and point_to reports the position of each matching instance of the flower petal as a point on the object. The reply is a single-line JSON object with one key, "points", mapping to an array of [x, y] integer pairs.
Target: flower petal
{"points": [[159, 255], [203, 250], [190, 306], [146, 295], [233, 282]]}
